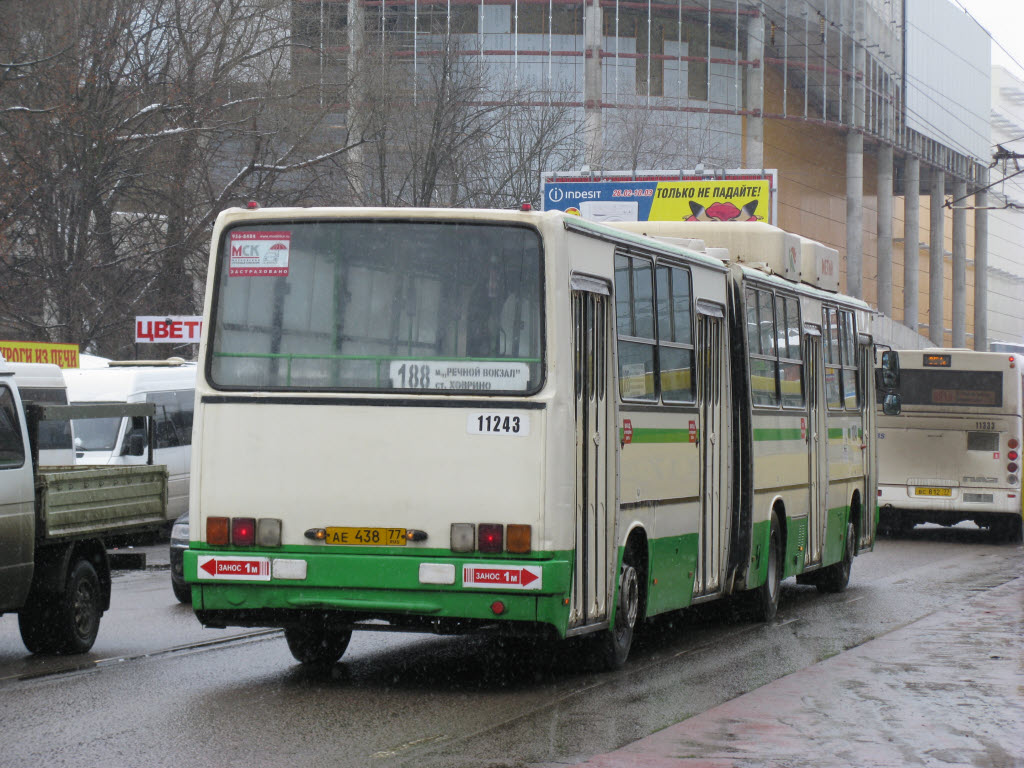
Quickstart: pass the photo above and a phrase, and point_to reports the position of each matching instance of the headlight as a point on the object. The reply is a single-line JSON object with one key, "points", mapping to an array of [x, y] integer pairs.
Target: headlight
{"points": [[179, 534]]}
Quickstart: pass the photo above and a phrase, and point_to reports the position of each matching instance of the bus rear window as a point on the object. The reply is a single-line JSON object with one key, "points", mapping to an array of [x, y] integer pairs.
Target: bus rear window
{"points": [[945, 387], [443, 307]]}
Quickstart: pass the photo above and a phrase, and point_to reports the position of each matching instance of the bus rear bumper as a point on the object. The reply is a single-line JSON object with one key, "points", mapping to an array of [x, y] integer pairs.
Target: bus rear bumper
{"points": [[383, 593]]}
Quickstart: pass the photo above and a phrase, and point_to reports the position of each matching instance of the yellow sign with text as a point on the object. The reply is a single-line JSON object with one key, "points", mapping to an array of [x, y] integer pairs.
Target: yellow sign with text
{"points": [[728, 200], [64, 355]]}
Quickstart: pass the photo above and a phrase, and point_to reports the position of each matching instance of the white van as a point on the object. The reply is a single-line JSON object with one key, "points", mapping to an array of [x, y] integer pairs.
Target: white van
{"points": [[170, 386], [43, 383]]}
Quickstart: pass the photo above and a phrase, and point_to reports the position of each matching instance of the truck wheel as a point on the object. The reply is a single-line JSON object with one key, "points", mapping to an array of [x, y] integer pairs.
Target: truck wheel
{"points": [[68, 622], [764, 600], [313, 643], [834, 578]]}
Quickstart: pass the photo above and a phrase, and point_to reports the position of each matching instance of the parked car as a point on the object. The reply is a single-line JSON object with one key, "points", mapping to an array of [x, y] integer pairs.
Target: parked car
{"points": [[179, 543]]}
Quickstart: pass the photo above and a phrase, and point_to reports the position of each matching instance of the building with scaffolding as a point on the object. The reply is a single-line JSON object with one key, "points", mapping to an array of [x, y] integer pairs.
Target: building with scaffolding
{"points": [[874, 112]]}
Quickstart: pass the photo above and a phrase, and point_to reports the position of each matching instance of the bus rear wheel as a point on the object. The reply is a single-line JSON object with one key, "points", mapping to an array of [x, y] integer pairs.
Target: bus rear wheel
{"points": [[763, 602], [836, 577], [314, 643]]}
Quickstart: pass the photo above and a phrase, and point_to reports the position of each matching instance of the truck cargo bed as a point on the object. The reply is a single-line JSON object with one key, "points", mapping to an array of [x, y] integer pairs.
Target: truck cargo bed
{"points": [[76, 501]]}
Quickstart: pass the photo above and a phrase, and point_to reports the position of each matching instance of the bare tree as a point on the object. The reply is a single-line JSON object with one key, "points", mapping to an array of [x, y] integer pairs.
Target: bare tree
{"points": [[137, 123]]}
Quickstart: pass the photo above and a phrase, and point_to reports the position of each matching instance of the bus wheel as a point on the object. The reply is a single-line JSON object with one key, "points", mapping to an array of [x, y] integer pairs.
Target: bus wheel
{"points": [[764, 600], [315, 644], [835, 577], [1008, 529], [614, 644]]}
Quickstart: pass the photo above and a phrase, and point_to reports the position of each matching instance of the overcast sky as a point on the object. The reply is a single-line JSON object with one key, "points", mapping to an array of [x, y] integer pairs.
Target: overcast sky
{"points": [[1004, 21]]}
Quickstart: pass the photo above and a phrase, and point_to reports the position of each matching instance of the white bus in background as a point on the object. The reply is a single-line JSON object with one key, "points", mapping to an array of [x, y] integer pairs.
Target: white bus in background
{"points": [[954, 452], [170, 386], [43, 383]]}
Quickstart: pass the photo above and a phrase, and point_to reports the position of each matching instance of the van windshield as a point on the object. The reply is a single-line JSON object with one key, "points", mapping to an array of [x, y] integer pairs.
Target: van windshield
{"points": [[438, 306], [96, 434]]}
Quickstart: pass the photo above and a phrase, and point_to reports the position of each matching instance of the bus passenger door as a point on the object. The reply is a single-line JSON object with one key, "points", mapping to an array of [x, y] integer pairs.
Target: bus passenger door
{"points": [[710, 379], [590, 367], [817, 447], [867, 441]]}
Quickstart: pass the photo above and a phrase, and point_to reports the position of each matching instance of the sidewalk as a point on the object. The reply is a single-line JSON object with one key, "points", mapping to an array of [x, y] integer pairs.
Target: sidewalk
{"points": [[946, 690]]}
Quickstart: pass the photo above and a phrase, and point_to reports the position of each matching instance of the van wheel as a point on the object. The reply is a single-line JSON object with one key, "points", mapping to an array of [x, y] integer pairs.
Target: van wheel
{"points": [[314, 644], [835, 578], [613, 644], [763, 601], [69, 622]]}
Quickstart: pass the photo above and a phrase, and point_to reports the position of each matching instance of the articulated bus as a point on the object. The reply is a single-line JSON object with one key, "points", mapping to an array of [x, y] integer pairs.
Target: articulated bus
{"points": [[468, 420], [954, 451]]}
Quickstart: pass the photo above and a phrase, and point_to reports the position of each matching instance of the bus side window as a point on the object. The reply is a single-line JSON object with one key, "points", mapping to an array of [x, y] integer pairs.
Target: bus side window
{"points": [[761, 338], [634, 309], [833, 369]]}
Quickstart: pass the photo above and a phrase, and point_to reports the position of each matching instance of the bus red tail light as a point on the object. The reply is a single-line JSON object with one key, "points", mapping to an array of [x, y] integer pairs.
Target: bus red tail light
{"points": [[217, 531], [243, 531], [1011, 467], [490, 537], [1012, 455], [1012, 443]]}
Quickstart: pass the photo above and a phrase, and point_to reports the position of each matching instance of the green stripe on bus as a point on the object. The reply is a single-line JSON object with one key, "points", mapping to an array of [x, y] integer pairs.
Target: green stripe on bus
{"points": [[768, 434], [836, 433]]}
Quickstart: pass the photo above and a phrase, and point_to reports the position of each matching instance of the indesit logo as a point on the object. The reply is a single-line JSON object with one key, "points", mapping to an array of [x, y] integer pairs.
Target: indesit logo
{"points": [[555, 195]]}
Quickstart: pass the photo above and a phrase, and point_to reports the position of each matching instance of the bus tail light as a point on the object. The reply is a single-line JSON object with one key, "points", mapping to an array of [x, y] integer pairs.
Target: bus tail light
{"points": [[463, 537], [217, 531], [1012, 443], [243, 531], [268, 532], [1012, 455], [490, 537], [518, 539], [1011, 467]]}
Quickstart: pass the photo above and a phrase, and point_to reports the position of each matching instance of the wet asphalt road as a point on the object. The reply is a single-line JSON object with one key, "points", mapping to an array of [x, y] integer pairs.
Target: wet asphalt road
{"points": [[148, 696]]}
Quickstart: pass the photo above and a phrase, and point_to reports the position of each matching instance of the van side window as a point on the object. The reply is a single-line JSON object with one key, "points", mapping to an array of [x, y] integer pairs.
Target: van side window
{"points": [[173, 420], [12, 449]]}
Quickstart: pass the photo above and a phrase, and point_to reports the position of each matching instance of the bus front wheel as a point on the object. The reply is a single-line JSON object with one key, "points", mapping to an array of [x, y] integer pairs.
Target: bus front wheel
{"points": [[314, 643]]}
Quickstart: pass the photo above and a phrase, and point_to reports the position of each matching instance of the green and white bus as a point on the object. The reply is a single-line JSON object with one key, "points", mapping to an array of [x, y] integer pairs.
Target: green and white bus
{"points": [[467, 420], [954, 451]]}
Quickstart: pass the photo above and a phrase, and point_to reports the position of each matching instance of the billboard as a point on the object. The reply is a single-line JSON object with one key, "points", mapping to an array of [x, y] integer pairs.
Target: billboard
{"points": [[738, 195], [164, 329], [64, 355]]}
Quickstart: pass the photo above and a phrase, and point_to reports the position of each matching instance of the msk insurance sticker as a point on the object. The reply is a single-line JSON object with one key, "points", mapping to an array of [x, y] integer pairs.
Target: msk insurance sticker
{"points": [[257, 254]]}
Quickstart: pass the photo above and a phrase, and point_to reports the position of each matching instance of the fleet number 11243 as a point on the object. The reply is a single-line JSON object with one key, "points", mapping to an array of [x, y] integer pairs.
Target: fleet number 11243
{"points": [[511, 424]]}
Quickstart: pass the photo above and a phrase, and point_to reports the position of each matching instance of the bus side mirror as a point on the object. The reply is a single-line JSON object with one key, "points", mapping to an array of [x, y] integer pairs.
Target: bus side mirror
{"points": [[892, 404], [888, 376]]}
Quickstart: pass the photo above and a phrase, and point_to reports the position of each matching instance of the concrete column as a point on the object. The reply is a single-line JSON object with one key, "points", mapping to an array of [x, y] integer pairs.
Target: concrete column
{"points": [[981, 269], [936, 237], [911, 240], [356, 33], [960, 264], [885, 230], [593, 130], [753, 149], [855, 214]]}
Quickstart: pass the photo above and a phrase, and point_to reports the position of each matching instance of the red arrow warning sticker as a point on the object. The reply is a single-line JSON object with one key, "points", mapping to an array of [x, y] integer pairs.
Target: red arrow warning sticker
{"points": [[236, 568], [501, 576]]}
